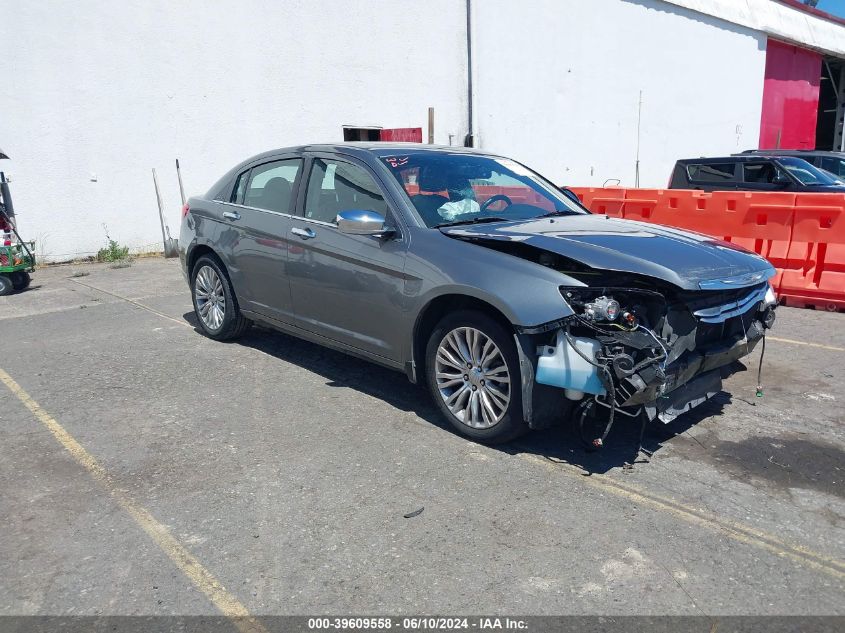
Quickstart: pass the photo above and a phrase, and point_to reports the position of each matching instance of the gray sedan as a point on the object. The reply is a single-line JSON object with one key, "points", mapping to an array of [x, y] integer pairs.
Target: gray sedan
{"points": [[472, 273]]}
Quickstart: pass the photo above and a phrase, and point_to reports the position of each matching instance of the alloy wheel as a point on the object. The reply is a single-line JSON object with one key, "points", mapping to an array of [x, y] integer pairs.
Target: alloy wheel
{"points": [[472, 377], [211, 301]]}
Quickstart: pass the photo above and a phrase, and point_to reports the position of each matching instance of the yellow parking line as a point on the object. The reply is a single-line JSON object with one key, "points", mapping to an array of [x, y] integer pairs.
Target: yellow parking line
{"points": [[794, 342], [203, 579], [737, 531]]}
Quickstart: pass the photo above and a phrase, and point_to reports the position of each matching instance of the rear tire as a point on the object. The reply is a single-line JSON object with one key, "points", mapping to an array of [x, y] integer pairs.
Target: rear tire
{"points": [[6, 286], [20, 280], [214, 301], [472, 371]]}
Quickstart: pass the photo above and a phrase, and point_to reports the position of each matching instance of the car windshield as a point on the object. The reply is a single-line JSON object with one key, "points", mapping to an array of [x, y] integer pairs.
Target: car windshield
{"points": [[456, 188], [837, 180], [806, 173], [834, 165]]}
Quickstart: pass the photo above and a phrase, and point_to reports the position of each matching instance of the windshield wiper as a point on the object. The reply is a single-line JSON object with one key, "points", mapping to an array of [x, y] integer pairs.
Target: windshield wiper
{"points": [[479, 220], [552, 214]]}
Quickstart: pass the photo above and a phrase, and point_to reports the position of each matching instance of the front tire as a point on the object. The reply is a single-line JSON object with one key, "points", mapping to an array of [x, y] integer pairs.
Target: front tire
{"points": [[20, 280], [472, 371], [215, 304], [6, 286]]}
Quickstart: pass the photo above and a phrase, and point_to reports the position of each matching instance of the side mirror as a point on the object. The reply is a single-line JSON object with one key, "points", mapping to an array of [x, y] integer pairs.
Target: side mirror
{"points": [[362, 222]]}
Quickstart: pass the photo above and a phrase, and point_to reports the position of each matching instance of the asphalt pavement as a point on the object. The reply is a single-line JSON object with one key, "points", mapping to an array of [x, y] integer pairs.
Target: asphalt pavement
{"points": [[148, 470]]}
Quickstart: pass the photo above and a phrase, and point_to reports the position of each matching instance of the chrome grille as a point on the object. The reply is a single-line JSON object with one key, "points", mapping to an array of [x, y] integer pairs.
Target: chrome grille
{"points": [[721, 313]]}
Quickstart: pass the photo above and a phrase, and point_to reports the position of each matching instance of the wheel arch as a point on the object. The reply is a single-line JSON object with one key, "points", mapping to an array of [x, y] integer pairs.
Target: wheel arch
{"points": [[198, 251], [542, 406], [434, 311], [204, 249]]}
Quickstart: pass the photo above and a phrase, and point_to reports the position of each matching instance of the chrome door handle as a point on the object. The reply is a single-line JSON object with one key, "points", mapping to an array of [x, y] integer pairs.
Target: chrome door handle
{"points": [[231, 215], [305, 234]]}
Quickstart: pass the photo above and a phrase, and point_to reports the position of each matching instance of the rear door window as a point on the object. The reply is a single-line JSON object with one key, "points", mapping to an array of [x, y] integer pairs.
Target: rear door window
{"points": [[271, 185], [711, 172]]}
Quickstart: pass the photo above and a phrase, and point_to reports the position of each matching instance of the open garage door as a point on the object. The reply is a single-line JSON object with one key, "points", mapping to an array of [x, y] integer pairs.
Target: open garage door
{"points": [[829, 131], [790, 97]]}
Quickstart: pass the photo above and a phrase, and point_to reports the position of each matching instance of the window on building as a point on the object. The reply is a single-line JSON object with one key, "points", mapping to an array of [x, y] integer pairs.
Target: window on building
{"points": [[351, 133]]}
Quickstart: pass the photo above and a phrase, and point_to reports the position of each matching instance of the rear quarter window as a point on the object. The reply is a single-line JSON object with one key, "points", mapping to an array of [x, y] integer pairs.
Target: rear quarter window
{"points": [[238, 191], [711, 172]]}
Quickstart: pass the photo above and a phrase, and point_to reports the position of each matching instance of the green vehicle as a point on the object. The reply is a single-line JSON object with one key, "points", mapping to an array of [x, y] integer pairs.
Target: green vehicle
{"points": [[17, 258]]}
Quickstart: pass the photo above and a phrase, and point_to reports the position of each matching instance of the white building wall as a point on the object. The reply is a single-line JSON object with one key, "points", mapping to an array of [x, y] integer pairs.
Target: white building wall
{"points": [[108, 90], [96, 93], [558, 83]]}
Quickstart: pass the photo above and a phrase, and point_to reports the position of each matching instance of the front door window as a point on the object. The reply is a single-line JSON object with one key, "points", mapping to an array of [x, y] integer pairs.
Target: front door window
{"points": [[336, 186]]}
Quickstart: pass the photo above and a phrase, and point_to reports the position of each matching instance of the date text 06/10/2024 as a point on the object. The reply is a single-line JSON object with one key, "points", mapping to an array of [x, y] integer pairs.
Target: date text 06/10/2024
{"points": [[417, 623]]}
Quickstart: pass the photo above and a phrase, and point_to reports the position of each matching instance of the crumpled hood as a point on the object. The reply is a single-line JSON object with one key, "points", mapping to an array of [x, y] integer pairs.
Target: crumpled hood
{"points": [[688, 260]]}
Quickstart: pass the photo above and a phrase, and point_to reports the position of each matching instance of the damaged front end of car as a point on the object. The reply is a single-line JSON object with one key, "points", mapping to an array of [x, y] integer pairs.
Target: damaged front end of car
{"points": [[652, 318], [647, 348]]}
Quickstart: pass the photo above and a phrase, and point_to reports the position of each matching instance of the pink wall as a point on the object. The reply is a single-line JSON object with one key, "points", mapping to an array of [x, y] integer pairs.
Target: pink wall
{"points": [[790, 97]]}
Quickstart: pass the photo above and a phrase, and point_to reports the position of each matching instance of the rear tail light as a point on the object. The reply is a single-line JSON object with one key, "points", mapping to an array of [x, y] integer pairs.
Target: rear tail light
{"points": [[185, 209]]}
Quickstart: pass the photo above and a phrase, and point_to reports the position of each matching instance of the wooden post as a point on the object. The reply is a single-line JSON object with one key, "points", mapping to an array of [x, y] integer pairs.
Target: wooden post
{"points": [[431, 126]]}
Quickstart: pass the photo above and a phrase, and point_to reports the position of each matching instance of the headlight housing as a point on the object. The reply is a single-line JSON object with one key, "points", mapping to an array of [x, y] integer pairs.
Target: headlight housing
{"points": [[626, 307], [602, 309]]}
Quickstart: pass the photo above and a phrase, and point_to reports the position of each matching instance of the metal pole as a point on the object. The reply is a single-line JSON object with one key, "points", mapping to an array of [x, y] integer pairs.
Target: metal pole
{"points": [[160, 210], [469, 141], [181, 188], [639, 117], [6, 197]]}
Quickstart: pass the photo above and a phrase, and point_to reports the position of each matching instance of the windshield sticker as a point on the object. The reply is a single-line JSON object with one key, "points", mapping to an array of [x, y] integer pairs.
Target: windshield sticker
{"points": [[397, 161]]}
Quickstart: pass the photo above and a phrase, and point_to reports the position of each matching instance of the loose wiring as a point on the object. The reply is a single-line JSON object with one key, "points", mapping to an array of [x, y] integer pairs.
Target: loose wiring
{"points": [[599, 441], [658, 341]]}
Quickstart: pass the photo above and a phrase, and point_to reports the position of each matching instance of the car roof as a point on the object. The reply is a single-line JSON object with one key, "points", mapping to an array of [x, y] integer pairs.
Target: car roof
{"points": [[377, 148], [358, 149], [385, 147], [792, 152], [737, 158]]}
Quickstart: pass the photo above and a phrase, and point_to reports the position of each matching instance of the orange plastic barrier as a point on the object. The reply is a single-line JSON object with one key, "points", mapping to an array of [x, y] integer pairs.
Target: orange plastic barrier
{"points": [[814, 273], [605, 200], [802, 235], [759, 221]]}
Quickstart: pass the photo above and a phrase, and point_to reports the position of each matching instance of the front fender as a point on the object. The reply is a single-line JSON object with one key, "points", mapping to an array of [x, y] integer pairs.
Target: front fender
{"points": [[527, 293]]}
